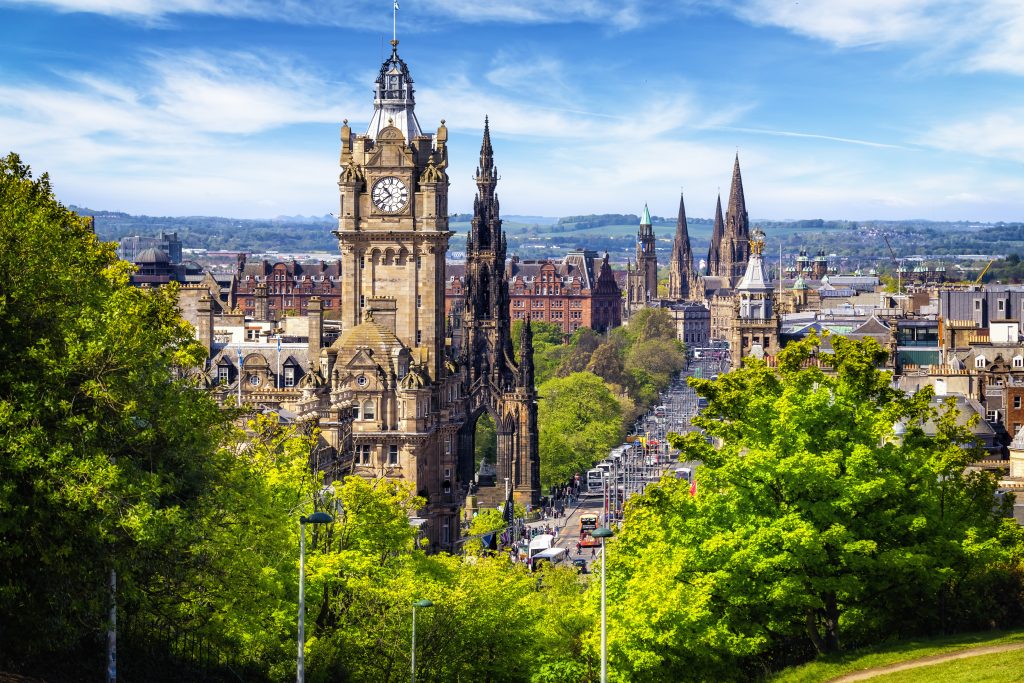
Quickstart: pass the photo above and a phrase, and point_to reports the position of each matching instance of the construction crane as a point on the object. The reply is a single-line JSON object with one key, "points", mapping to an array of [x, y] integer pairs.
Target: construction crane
{"points": [[983, 271], [896, 262]]}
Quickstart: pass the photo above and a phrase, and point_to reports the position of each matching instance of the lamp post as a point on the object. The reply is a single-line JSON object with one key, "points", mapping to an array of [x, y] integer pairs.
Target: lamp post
{"points": [[416, 603], [603, 533], [315, 518]]}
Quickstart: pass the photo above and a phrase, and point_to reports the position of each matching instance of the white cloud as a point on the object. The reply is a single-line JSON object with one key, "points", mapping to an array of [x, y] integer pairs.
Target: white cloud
{"points": [[996, 134], [979, 35], [619, 14]]}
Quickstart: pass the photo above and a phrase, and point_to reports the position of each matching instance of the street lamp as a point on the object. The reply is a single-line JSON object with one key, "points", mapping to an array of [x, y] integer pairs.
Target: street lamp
{"points": [[603, 533], [423, 602], [315, 518]]}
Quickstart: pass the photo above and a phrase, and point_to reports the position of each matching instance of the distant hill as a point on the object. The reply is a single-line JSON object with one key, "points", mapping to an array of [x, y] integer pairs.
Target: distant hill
{"points": [[861, 242]]}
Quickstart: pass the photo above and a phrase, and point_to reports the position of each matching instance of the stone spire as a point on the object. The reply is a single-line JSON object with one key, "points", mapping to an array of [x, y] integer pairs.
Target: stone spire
{"points": [[393, 101], [737, 227], [715, 249], [526, 355], [681, 277], [486, 224]]}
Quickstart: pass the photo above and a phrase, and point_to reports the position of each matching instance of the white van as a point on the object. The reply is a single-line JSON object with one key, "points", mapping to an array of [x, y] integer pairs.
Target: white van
{"points": [[553, 556], [684, 473]]}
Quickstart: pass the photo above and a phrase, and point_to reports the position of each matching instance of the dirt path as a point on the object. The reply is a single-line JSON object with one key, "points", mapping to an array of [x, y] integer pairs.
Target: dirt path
{"points": [[925, 661]]}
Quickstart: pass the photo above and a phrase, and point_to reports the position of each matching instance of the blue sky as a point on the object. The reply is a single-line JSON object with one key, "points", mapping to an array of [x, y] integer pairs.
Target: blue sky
{"points": [[844, 109]]}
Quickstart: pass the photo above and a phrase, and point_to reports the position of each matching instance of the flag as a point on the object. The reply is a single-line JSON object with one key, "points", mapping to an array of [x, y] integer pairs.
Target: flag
{"points": [[396, 4], [693, 488], [279, 343]]}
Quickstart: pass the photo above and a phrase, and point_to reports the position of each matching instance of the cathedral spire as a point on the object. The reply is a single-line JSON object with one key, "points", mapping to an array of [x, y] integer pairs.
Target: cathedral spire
{"points": [[715, 249], [738, 205], [736, 246]]}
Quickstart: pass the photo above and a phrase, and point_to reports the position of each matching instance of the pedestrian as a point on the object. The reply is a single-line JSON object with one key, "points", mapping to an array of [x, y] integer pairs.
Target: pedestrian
{"points": [[579, 545], [593, 551]]}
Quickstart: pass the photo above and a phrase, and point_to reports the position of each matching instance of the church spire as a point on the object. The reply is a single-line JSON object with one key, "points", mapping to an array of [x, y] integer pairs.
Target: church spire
{"points": [[715, 249], [680, 273]]}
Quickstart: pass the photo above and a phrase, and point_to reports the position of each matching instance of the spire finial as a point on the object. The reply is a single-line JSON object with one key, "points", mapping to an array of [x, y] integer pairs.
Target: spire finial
{"points": [[394, 27]]}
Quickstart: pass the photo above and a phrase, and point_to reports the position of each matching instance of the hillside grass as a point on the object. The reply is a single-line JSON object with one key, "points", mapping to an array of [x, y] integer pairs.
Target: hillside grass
{"points": [[827, 668], [1000, 667]]}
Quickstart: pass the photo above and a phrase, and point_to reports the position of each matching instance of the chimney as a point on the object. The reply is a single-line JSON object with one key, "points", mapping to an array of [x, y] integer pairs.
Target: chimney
{"points": [[204, 328], [262, 309], [315, 317], [383, 310]]}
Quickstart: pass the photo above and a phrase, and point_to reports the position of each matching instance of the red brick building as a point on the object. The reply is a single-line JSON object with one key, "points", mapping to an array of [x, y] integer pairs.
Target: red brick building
{"points": [[264, 290], [578, 291]]}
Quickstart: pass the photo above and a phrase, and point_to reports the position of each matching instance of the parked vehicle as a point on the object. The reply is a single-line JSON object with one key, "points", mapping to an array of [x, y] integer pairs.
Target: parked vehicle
{"points": [[581, 565]]}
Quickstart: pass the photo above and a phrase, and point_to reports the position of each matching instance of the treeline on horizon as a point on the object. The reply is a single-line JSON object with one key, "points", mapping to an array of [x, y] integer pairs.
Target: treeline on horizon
{"points": [[860, 239]]}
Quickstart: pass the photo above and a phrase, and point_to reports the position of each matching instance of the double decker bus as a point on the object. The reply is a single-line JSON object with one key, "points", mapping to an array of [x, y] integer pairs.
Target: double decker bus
{"points": [[588, 523]]}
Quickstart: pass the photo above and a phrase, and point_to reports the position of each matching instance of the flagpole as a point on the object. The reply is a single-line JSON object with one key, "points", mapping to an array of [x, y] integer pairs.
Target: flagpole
{"points": [[277, 384], [394, 22]]}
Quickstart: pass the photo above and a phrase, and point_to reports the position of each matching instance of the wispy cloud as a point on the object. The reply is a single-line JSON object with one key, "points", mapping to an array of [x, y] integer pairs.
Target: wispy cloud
{"points": [[996, 134], [978, 35], [813, 136], [617, 14]]}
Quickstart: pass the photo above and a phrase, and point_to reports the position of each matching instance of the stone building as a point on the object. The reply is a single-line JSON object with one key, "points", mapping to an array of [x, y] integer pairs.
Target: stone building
{"points": [[392, 396], [642, 282], [683, 282]]}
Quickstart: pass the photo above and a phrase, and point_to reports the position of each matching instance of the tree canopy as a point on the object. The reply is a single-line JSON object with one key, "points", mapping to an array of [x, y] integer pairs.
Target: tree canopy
{"points": [[813, 525]]}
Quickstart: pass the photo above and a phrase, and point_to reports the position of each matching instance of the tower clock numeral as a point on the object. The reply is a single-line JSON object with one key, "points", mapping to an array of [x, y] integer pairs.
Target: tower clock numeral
{"points": [[390, 194]]}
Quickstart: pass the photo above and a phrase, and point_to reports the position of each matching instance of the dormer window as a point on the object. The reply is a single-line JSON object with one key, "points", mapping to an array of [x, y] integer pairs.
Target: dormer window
{"points": [[979, 362], [1018, 362]]}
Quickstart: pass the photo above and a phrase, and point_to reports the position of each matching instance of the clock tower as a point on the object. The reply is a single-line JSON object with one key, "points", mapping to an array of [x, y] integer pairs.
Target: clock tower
{"points": [[393, 219]]}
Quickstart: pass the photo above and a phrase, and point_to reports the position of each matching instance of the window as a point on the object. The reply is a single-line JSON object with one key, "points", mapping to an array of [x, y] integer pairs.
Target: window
{"points": [[369, 410], [1018, 361], [224, 374], [448, 449], [419, 301], [363, 455], [419, 337], [393, 454], [251, 334], [979, 362], [289, 377], [1002, 305], [444, 532], [992, 416], [1016, 401], [447, 472], [977, 304]]}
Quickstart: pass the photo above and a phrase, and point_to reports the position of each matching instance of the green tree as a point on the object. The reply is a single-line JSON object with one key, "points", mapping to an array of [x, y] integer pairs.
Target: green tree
{"points": [[485, 440], [104, 457], [812, 523], [580, 420]]}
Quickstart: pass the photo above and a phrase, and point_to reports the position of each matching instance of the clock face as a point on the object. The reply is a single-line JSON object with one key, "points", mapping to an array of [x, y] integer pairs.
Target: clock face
{"points": [[390, 194]]}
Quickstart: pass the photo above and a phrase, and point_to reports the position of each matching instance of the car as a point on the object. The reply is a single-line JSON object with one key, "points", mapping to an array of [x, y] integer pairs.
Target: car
{"points": [[580, 564]]}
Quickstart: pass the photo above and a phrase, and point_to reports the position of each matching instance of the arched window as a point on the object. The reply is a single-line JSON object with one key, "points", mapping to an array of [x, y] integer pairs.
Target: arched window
{"points": [[979, 362], [369, 410]]}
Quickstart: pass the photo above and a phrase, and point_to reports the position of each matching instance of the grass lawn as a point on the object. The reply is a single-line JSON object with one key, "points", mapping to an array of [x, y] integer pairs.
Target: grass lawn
{"points": [[1002, 667], [828, 668]]}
